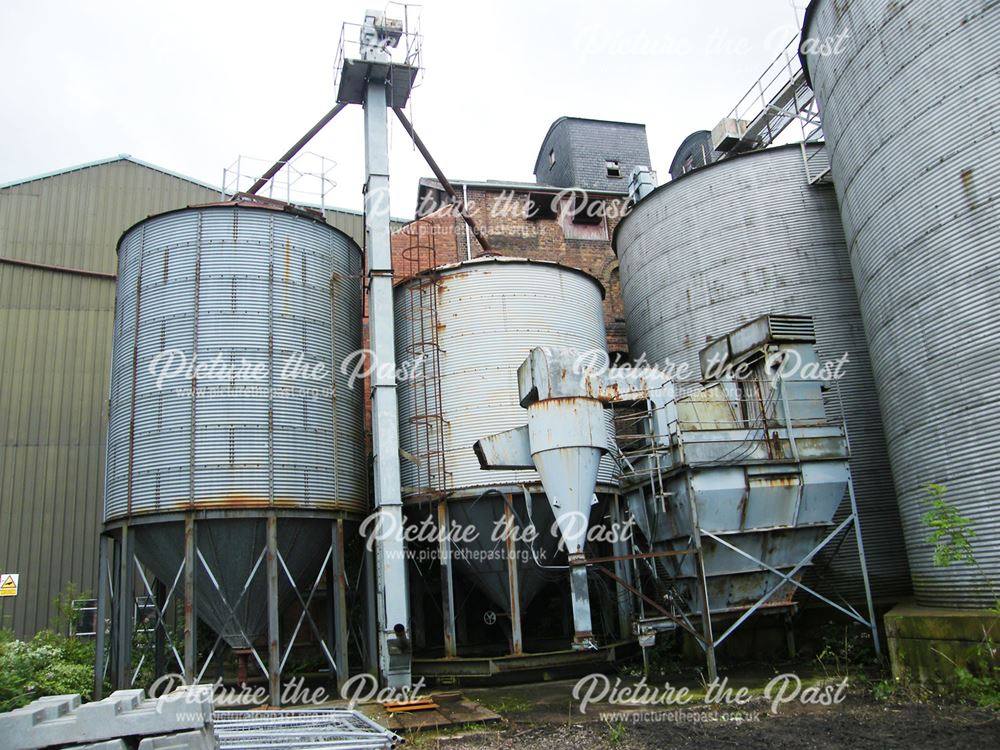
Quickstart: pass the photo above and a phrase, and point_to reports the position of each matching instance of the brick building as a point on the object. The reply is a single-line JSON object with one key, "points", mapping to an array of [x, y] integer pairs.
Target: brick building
{"points": [[568, 215]]}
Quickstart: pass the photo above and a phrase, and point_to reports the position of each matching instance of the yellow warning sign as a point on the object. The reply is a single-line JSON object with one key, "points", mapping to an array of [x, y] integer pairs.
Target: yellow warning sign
{"points": [[8, 584]]}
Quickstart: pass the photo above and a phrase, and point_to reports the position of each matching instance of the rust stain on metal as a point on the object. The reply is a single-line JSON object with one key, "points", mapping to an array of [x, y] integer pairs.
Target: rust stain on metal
{"points": [[776, 449], [238, 501], [783, 480], [968, 188], [135, 379]]}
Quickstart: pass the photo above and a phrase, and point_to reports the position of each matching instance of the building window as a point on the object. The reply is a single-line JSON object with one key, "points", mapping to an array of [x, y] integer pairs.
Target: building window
{"points": [[540, 206], [688, 165], [583, 219], [613, 167], [552, 157], [587, 211]]}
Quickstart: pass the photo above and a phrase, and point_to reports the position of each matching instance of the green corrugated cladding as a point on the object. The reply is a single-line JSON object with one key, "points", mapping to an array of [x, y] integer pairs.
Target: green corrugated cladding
{"points": [[55, 360]]}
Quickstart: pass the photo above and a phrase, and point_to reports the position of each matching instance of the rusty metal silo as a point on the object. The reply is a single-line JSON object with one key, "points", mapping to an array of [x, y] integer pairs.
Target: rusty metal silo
{"points": [[462, 332]]}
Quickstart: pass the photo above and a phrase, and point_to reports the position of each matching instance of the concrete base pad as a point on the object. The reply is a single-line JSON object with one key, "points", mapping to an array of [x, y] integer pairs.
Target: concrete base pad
{"points": [[927, 645]]}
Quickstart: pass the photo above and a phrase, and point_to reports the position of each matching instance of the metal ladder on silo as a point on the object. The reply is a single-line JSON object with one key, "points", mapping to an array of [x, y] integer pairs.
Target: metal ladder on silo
{"points": [[432, 476]]}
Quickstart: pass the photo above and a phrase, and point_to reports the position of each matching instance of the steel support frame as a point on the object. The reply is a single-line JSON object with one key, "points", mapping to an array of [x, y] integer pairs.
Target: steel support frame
{"points": [[121, 570], [160, 596], [707, 639], [850, 521]]}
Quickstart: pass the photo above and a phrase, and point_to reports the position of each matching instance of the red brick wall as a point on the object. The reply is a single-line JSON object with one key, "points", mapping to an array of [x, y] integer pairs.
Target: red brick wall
{"points": [[500, 215], [439, 239]]}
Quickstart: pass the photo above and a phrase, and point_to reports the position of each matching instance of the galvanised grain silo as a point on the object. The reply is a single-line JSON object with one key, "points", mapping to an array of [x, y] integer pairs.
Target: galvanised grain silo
{"points": [[910, 100], [462, 332], [744, 237], [235, 444]]}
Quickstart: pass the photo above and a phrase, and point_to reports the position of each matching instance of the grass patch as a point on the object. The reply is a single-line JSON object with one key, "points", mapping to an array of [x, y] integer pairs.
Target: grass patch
{"points": [[508, 704]]}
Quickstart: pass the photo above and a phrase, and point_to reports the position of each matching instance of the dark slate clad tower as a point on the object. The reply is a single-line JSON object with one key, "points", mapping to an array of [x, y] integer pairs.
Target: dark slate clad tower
{"points": [[695, 152], [591, 154]]}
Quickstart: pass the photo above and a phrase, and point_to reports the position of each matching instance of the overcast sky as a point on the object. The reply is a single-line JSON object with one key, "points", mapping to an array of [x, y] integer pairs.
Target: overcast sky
{"points": [[190, 86]]}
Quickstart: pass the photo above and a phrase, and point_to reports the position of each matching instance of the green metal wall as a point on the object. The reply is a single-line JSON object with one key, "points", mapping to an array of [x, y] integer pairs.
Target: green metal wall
{"points": [[55, 360]]}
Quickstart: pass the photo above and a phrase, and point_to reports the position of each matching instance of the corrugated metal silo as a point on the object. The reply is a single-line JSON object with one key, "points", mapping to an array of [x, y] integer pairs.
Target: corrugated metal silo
{"points": [[471, 325], [228, 400], [744, 237], [910, 100], [490, 312]]}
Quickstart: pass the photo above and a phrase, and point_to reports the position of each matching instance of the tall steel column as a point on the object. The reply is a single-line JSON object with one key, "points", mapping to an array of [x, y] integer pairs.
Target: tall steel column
{"points": [[392, 591]]}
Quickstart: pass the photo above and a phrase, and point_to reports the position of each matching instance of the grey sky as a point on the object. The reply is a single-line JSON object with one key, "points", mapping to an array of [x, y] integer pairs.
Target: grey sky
{"points": [[189, 86]]}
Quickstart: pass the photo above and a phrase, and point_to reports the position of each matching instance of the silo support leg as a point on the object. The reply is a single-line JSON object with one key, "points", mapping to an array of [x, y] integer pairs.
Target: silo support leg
{"points": [[447, 581], [190, 611], [340, 604], [331, 605], [872, 620], [622, 569], [790, 636], [114, 578], [126, 604], [103, 592], [159, 643], [517, 645], [274, 650], [706, 620], [708, 637]]}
